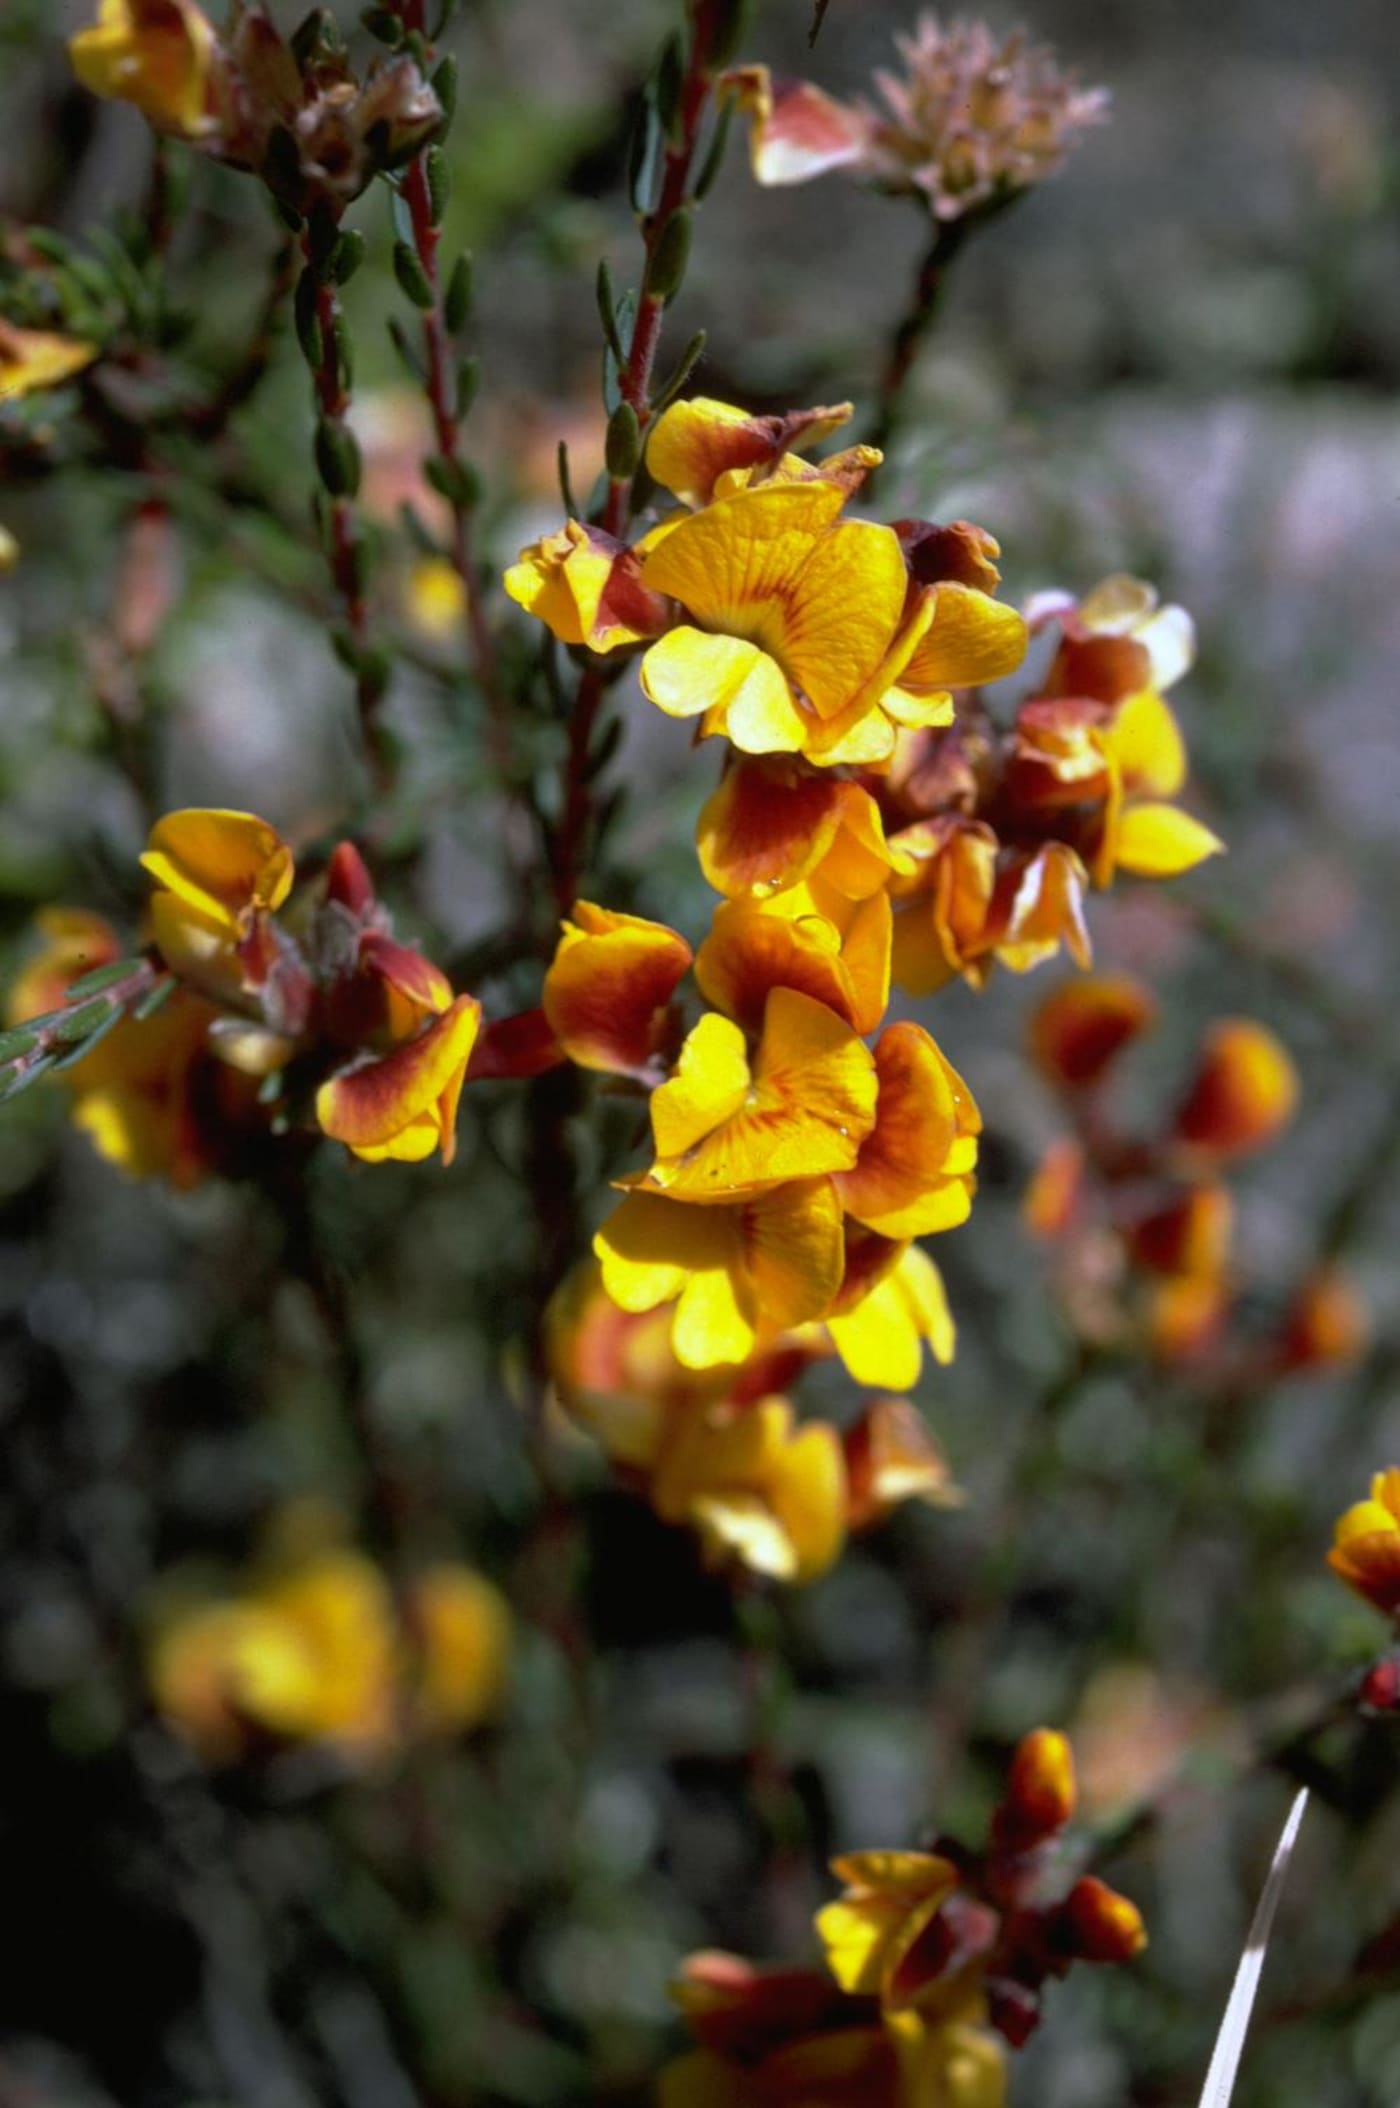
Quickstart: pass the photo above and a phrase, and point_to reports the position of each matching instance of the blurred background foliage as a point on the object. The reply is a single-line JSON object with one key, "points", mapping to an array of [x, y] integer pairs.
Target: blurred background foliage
{"points": [[1177, 359]]}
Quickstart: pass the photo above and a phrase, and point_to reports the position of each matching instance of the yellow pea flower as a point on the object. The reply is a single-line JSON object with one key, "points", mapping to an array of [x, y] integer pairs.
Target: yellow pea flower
{"points": [[760, 1490], [810, 937], [776, 823], [311, 1656], [724, 1128], [1079, 1030], [459, 1632], [889, 1899], [1244, 1091], [914, 1174], [219, 876], [891, 1304], [1366, 1550], [157, 54], [607, 990], [737, 1274], [798, 633], [403, 1106], [586, 587], [698, 446], [32, 359]]}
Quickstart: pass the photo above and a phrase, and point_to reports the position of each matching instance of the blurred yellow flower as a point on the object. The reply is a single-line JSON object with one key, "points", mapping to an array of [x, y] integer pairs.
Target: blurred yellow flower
{"points": [[458, 1648], [321, 1653], [1244, 1092], [157, 54], [1366, 1549], [31, 359]]}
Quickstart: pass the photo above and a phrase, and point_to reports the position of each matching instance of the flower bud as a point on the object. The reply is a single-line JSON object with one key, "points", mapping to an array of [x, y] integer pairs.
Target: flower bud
{"points": [[1245, 1090], [1040, 1792], [1099, 1925]]}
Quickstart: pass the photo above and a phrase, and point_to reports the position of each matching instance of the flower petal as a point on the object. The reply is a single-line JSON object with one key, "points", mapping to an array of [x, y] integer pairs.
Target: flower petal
{"points": [[405, 1105], [797, 131], [1161, 841], [972, 638], [695, 442], [611, 978], [225, 864]]}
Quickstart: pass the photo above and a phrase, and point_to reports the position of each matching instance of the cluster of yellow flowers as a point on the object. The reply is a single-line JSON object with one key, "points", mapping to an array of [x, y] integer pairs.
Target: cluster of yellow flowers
{"points": [[869, 826], [934, 1959], [320, 1012], [323, 1650]]}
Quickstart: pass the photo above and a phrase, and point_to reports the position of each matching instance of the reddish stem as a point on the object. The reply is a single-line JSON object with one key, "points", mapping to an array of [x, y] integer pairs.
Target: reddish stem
{"points": [[441, 391], [333, 402], [634, 383]]}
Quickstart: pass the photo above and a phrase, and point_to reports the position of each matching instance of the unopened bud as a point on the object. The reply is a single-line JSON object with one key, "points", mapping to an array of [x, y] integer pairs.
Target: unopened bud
{"points": [[1040, 1792], [1096, 1924], [1379, 1691]]}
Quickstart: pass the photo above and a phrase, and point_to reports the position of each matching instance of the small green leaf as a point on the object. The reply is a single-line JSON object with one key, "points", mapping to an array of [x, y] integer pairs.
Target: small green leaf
{"points": [[101, 977], [348, 255], [623, 447], [444, 85], [439, 174], [413, 279], [607, 311], [680, 374], [457, 301], [337, 458], [15, 1044], [157, 999], [78, 1053], [78, 1023], [666, 271], [383, 23]]}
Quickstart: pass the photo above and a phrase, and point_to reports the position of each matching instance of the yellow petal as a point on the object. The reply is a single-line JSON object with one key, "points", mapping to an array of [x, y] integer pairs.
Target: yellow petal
{"points": [[225, 864], [834, 627], [972, 639], [1145, 741], [732, 564], [710, 1084], [157, 54], [1161, 841], [745, 693]]}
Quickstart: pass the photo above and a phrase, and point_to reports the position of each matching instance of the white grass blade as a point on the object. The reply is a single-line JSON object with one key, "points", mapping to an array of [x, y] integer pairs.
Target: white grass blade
{"points": [[1229, 2043]]}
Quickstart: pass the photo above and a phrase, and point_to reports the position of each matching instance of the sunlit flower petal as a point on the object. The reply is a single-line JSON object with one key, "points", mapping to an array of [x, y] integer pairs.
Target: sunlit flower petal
{"points": [[404, 1105], [607, 991], [880, 1329], [804, 1110], [757, 1268], [914, 1174], [696, 441]]}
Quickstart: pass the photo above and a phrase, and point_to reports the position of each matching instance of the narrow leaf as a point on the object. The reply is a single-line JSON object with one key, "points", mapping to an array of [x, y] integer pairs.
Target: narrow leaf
{"points": [[1229, 2043]]}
